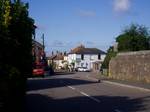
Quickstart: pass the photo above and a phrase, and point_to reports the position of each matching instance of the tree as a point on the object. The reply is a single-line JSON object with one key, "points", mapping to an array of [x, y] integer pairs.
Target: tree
{"points": [[110, 54], [134, 38], [22, 36], [16, 30], [4, 22]]}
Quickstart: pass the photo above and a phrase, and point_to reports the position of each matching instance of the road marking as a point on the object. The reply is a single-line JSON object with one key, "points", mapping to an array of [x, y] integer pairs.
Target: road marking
{"points": [[83, 93], [128, 86], [98, 101], [71, 87], [116, 110], [119, 84]]}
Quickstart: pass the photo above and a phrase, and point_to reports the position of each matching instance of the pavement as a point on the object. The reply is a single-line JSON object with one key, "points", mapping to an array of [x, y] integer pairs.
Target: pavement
{"points": [[127, 83]]}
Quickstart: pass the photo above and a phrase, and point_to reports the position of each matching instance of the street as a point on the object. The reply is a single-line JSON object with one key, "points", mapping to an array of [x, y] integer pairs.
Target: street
{"points": [[77, 92]]}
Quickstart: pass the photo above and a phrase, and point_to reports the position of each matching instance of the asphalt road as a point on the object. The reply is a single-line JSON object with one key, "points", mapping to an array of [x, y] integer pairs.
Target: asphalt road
{"points": [[78, 93]]}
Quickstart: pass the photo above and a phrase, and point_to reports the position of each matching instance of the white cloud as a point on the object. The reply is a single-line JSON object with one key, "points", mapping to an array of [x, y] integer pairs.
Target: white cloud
{"points": [[121, 5]]}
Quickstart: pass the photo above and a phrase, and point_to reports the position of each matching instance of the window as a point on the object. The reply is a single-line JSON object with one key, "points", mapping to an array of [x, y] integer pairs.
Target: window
{"points": [[99, 56], [86, 65], [82, 64], [82, 56]]}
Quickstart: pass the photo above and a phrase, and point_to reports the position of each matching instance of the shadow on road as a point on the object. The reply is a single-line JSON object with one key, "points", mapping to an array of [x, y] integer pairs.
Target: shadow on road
{"points": [[64, 73], [40, 84], [41, 103]]}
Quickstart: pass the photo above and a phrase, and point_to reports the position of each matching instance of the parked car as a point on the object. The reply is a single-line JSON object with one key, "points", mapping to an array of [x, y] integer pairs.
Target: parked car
{"points": [[83, 69], [38, 70]]}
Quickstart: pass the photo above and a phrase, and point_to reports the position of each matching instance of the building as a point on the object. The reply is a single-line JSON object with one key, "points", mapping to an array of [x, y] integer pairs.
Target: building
{"points": [[57, 60], [90, 58], [37, 52]]}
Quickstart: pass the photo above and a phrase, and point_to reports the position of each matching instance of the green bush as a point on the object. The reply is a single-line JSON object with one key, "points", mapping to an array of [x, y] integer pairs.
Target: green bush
{"points": [[110, 54]]}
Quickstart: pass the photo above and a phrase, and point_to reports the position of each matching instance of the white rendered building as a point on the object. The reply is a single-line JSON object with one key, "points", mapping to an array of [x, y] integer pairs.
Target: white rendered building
{"points": [[90, 58]]}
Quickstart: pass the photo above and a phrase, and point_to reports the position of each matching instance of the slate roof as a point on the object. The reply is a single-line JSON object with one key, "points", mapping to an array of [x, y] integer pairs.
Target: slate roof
{"points": [[82, 50], [56, 57], [37, 43]]}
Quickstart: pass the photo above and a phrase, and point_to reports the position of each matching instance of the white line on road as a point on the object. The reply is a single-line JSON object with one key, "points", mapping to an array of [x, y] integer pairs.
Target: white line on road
{"points": [[83, 93], [98, 101], [129, 86], [116, 110], [119, 84], [71, 87]]}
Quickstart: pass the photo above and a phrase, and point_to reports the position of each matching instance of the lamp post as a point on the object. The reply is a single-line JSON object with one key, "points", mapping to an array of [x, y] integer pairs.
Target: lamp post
{"points": [[43, 41], [44, 55]]}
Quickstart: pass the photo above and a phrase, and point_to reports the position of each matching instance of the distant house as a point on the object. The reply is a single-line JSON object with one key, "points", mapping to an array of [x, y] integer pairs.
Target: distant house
{"points": [[37, 51], [90, 58], [56, 60]]}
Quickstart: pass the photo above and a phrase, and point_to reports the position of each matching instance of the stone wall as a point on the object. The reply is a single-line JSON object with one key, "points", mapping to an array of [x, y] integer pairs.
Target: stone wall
{"points": [[133, 66]]}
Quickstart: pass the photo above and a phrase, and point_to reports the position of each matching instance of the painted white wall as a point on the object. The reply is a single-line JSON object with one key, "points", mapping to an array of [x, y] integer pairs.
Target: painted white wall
{"points": [[87, 62], [58, 63], [65, 58], [103, 57]]}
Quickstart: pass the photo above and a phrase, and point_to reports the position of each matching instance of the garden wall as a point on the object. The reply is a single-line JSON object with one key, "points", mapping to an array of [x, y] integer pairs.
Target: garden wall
{"points": [[133, 66]]}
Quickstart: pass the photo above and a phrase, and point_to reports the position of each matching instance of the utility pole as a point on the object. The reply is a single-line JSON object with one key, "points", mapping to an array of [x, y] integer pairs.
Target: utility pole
{"points": [[44, 55], [43, 41]]}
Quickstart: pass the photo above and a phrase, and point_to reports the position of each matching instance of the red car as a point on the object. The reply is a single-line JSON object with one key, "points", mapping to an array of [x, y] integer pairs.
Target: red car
{"points": [[38, 70]]}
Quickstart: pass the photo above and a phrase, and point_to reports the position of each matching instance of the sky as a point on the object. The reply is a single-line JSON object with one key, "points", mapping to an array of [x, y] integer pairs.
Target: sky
{"points": [[93, 23]]}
